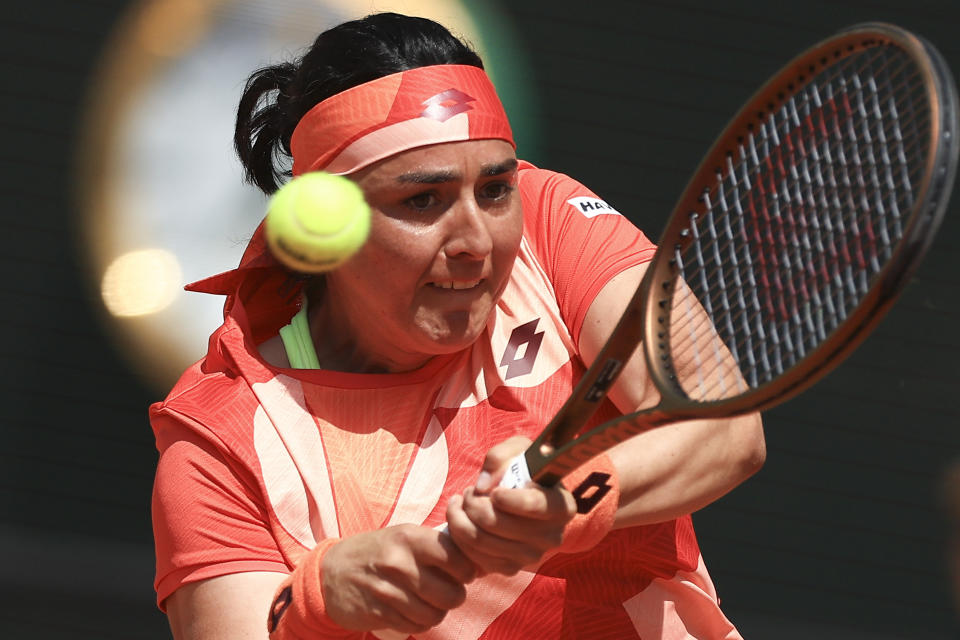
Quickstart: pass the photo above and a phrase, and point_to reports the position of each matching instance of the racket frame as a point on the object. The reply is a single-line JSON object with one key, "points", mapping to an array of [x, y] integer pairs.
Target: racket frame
{"points": [[555, 452]]}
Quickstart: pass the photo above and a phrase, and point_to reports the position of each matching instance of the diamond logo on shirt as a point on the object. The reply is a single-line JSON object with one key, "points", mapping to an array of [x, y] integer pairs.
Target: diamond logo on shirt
{"points": [[446, 104], [522, 350]]}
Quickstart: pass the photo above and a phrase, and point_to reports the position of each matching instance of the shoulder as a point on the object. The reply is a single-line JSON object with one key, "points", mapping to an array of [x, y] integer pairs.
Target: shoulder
{"points": [[215, 405], [552, 195], [534, 181]]}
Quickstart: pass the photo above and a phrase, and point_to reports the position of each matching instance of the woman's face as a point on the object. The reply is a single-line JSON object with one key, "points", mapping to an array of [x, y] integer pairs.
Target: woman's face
{"points": [[444, 234]]}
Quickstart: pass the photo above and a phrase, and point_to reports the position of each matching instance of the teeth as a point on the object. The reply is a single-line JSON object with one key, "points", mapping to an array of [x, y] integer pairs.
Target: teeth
{"points": [[456, 285]]}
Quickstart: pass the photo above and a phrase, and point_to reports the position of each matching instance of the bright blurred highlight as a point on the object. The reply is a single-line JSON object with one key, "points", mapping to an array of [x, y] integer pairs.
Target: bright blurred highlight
{"points": [[169, 28], [141, 282]]}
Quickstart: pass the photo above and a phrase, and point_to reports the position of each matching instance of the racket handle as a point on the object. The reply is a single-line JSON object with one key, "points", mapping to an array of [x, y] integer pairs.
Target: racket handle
{"points": [[517, 474]]}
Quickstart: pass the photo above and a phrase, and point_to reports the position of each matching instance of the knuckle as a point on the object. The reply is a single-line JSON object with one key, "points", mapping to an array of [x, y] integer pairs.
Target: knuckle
{"points": [[437, 618], [532, 556], [458, 596], [554, 537], [405, 533], [511, 564], [481, 515], [452, 597], [399, 623], [430, 617], [468, 573], [392, 557]]}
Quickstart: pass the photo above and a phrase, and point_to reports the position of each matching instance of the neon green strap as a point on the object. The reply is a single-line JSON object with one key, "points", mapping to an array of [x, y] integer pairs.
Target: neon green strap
{"points": [[301, 351]]}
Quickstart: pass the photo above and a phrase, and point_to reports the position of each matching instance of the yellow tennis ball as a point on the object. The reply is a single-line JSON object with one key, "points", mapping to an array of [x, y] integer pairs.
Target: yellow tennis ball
{"points": [[316, 222]]}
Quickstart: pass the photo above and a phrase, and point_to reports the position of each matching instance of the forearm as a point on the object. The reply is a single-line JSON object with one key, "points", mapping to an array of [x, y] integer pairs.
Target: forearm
{"points": [[679, 468], [229, 607]]}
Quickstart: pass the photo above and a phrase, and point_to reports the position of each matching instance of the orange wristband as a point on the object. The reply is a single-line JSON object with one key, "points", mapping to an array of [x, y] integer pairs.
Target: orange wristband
{"points": [[298, 611], [596, 487]]}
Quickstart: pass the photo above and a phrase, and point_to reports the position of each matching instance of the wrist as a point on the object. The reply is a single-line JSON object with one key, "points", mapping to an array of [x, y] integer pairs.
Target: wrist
{"points": [[298, 609], [596, 487]]}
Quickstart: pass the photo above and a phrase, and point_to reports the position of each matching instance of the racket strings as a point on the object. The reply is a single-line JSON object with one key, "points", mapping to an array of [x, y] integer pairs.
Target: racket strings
{"points": [[805, 213], [804, 167], [805, 190]]}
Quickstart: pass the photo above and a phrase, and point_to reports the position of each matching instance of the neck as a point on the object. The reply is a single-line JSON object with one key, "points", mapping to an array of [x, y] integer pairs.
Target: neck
{"points": [[339, 349]]}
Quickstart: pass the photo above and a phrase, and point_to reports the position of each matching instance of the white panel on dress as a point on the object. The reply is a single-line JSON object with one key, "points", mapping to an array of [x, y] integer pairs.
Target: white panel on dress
{"points": [[466, 622], [428, 474], [684, 607], [292, 461]]}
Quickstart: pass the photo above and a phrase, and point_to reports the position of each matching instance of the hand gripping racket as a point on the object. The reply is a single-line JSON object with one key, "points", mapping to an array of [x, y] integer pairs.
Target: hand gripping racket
{"points": [[793, 238]]}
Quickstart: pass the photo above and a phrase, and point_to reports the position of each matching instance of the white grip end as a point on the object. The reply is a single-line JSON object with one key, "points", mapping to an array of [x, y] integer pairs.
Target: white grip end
{"points": [[517, 474]]}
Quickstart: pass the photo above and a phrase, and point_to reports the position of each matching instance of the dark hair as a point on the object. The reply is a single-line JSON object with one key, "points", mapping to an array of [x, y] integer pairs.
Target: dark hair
{"points": [[276, 97]]}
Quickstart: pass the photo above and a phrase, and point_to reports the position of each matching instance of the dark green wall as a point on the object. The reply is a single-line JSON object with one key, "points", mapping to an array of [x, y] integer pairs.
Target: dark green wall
{"points": [[841, 532], [840, 536]]}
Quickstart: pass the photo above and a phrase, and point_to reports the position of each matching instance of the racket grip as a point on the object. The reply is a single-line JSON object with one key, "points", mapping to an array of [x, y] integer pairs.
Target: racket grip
{"points": [[517, 474]]}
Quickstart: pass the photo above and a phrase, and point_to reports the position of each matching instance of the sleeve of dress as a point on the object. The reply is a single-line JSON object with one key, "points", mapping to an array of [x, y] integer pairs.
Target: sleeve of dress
{"points": [[208, 519], [580, 240]]}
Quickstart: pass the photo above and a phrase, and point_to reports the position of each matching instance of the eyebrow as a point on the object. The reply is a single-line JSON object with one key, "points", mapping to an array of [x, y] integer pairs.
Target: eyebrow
{"points": [[427, 177], [506, 166], [439, 177]]}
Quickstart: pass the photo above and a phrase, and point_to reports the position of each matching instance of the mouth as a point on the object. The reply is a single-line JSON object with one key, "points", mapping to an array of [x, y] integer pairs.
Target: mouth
{"points": [[456, 285]]}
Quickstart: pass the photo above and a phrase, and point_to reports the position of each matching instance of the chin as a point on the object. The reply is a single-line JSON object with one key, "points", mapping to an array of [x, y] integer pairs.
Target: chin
{"points": [[453, 343], [450, 337]]}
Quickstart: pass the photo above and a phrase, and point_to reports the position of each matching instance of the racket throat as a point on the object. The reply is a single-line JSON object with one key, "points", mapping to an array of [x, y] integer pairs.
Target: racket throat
{"points": [[548, 463]]}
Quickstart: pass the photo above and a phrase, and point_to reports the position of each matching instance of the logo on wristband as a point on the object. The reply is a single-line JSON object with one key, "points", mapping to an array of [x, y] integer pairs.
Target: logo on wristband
{"points": [[280, 606], [591, 491]]}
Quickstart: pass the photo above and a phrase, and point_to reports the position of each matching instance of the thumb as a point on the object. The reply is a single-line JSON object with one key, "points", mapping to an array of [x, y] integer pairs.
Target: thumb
{"points": [[496, 460]]}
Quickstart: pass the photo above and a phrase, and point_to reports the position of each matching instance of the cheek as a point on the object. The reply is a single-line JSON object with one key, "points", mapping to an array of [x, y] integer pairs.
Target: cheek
{"points": [[507, 236], [392, 247]]}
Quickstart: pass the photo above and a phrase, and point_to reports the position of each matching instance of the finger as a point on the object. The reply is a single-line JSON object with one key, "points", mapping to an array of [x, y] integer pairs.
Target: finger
{"points": [[454, 562], [401, 609], [424, 597], [541, 533], [495, 554], [460, 529], [437, 589], [465, 534], [496, 460], [504, 508], [538, 532], [431, 547], [500, 454], [426, 591], [555, 504]]}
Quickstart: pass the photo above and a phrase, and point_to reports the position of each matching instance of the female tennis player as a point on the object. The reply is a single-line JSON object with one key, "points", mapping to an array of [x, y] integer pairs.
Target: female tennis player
{"points": [[306, 497]]}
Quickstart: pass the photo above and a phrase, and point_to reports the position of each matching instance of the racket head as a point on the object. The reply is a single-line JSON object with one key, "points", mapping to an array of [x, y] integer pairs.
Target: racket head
{"points": [[791, 265]]}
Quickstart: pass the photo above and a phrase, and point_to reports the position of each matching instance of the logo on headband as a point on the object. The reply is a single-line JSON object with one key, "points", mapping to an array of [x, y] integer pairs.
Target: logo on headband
{"points": [[446, 104]]}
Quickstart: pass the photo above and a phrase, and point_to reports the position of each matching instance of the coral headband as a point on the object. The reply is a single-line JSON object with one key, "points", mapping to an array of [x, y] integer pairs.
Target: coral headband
{"points": [[377, 119]]}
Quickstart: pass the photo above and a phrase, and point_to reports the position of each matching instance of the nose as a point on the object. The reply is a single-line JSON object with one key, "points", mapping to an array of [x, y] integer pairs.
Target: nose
{"points": [[468, 234]]}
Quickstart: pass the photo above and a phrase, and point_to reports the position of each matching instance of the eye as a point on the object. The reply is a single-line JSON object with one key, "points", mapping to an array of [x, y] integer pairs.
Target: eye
{"points": [[422, 201], [498, 190]]}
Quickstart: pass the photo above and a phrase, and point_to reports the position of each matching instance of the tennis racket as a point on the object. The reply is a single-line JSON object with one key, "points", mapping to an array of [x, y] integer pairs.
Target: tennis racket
{"points": [[795, 235]]}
